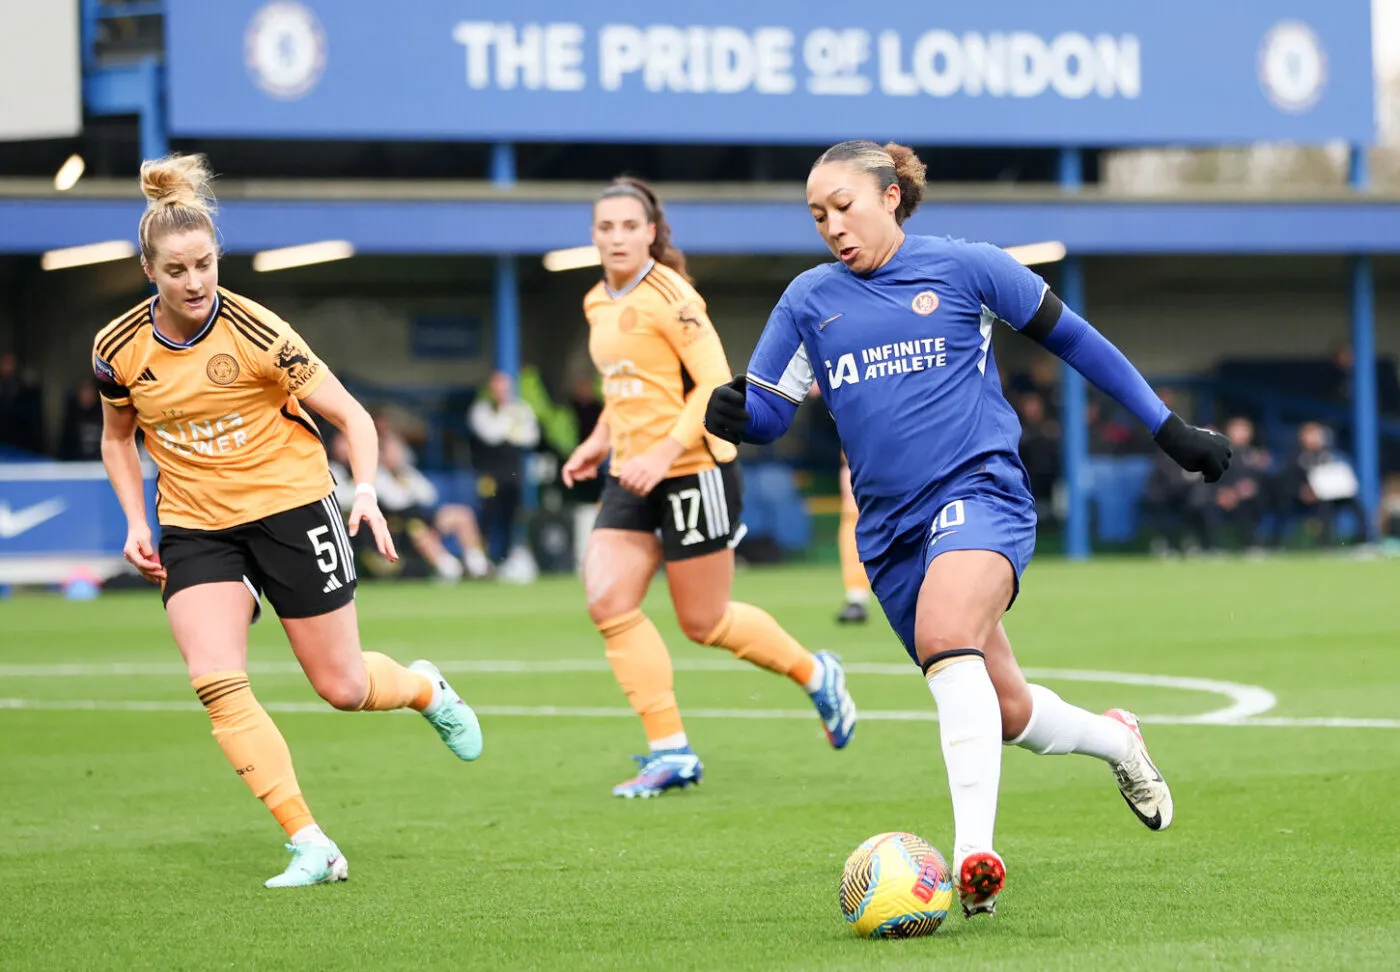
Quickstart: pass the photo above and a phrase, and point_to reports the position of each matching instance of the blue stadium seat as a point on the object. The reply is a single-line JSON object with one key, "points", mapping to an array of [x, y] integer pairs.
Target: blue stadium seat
{"points": [[1115, 489], [773, 508]]}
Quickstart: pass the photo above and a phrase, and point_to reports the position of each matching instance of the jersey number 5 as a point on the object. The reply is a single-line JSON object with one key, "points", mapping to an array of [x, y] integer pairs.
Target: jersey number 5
{"points": [[326, 557]]}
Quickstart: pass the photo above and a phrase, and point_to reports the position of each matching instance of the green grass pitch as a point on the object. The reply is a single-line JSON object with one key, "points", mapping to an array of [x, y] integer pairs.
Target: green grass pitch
{"points": [[126, 842]]}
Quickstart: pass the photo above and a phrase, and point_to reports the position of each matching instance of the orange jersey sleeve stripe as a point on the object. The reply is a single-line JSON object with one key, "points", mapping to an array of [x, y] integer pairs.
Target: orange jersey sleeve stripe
{"points": [[251, 328], [118, 334], [692, 336], [107, 366]]}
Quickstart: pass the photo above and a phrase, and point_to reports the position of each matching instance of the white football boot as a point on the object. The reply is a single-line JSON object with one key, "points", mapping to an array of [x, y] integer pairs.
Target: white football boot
{"points": [[1141, 783]]}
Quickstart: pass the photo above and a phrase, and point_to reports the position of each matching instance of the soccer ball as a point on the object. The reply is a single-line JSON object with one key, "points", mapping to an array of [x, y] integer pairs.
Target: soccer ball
{"points": [[896, 885]]}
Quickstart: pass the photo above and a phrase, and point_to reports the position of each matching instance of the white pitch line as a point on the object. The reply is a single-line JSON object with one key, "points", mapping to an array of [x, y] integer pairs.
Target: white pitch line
{"points": [[1324, 722], [476, 666], [606, 712], [1246, 701], [481, 666]]}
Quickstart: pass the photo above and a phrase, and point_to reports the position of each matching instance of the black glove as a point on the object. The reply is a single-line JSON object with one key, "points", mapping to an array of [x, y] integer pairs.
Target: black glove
{"points": [[1193, 449], [726, 415]]}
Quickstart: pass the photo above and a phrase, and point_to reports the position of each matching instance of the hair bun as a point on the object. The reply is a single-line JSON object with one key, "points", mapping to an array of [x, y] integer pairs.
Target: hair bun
{"points": [[178, 197], [178, 180], [912, 175]]}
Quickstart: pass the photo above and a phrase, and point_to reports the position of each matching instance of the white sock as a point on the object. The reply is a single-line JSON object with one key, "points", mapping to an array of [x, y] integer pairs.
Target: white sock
{"points": [[858, 595], [477, 564], [674, 741], [1056, 728], [448, 566], [969, 725], [814, 684], [311, 834]]}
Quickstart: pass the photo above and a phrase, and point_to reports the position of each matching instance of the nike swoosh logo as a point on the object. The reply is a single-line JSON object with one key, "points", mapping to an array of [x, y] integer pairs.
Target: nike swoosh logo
{"points": [[13, 523], [1153, 822], [823, 324], [939, 536]]}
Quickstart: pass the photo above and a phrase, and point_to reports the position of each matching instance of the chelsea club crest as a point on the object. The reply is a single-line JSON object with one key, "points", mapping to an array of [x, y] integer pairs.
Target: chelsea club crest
{"points": [[1292, 66], [285, 49]]}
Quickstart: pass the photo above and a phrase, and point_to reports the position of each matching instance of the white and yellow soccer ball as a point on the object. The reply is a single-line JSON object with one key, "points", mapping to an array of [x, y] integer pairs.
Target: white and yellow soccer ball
{"points": [[896, 885]]}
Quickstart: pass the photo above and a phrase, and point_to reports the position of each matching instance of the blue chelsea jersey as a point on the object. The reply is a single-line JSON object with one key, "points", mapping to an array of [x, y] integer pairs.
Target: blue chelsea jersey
{"points": [[903, 359]]}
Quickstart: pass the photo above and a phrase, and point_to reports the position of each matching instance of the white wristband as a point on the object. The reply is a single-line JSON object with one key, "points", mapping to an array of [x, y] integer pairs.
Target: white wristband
{"points": [[366, 489]]}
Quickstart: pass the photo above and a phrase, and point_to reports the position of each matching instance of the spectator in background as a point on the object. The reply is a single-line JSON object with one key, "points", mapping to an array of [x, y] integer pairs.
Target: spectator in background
{"points": [[1109, 434], [1390, 509], [588, 408], [1179, 509], [1112, 432], [81, 438], [1040, 450], [21, 406], [504, 430], [1319, 482], [10, 391], [1246, 491], [587, 405], [410, 505], [1042, 378], [1342, 365]]}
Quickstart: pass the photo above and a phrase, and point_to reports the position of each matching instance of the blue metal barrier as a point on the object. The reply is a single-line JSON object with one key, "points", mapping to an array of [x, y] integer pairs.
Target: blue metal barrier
{"points": [[128, 89], [1074, 405], [1074, 395]]}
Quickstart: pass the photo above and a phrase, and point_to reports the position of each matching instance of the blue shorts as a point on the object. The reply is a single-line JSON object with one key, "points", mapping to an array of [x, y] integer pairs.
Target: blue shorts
{"points": [[977, 513]]}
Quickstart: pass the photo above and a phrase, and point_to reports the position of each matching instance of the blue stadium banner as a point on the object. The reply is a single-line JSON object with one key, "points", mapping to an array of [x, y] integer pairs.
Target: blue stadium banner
{"points": [[1086, 72], [63, 509]]}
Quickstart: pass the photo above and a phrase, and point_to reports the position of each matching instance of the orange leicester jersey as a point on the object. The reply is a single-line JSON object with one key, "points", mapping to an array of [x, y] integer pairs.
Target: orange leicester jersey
{"points": [[660, 358], [220, 412]]}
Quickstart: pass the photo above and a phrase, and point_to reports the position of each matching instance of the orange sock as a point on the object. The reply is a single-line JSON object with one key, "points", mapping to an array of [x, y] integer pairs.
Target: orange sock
{"points": [[643, 668], [252, 743], [391, 686], [752, 634], [853, 576]]}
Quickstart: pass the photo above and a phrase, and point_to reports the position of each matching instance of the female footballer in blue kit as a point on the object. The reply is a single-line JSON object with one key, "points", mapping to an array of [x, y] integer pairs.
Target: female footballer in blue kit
{"points": [[897, 334]]}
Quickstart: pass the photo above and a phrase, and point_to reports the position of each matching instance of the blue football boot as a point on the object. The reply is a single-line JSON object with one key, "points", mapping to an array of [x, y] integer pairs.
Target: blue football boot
{"points": [[665, 769]]}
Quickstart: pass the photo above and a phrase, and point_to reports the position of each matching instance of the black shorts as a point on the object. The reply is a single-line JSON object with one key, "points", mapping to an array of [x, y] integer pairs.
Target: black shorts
{"points": [[695, 515], [300, 559]]}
